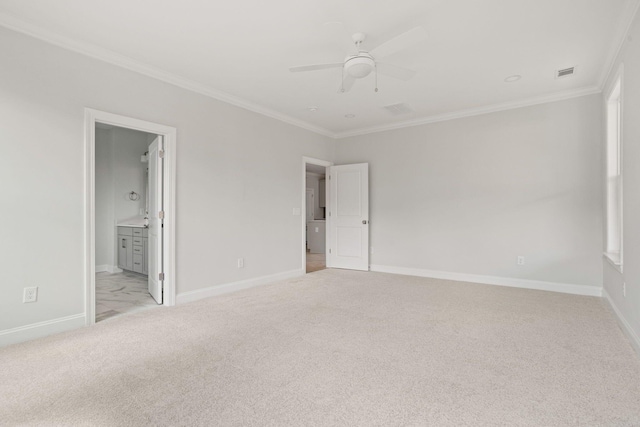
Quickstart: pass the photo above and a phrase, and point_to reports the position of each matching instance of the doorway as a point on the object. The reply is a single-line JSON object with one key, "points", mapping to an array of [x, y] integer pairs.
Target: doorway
{"points": [[122, 199], [134, 249], [314, 215]]}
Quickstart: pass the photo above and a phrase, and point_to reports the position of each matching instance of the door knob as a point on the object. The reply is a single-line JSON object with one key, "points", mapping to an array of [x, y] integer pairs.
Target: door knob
{"points": [[364, 221]]}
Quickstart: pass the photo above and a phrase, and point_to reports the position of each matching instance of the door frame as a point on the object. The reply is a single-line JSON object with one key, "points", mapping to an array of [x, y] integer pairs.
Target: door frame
{"points": [[317, 162], [91, 117]]}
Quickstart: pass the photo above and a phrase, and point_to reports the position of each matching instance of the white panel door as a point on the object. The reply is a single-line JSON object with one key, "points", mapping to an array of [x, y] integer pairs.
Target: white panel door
{"points": [[155, 219], [349, 217]]}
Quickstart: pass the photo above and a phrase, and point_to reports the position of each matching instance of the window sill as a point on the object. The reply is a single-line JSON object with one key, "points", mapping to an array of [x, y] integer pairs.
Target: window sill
{"points": [[614, 259]]}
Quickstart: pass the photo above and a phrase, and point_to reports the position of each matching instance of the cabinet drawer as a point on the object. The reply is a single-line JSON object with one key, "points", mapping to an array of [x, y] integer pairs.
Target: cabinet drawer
{"points": [[137, 231], [137, 263], [137, 241], [125, 231], [138, 250]]}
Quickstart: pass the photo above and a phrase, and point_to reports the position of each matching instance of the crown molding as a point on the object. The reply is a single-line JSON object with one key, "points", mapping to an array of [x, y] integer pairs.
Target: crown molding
{"points": [[558, 96], [123, 61], [628, 17]]}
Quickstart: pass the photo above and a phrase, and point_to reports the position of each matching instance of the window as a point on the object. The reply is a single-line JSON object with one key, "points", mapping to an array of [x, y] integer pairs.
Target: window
{"points": [[614, 171]]}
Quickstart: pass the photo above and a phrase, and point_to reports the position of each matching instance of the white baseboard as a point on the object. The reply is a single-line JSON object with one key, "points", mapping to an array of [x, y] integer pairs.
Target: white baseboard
{"points": [[107, 269], [493, 280], [624, 325], [235, 286], [41, 329]]}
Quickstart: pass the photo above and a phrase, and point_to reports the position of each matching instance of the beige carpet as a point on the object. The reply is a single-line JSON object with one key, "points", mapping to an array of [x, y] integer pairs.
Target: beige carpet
{"points": [[336, 348]]}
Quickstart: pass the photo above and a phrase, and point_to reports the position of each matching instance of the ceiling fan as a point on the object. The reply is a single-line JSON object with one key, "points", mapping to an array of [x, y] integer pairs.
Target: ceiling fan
{"points": [[360, 63]]}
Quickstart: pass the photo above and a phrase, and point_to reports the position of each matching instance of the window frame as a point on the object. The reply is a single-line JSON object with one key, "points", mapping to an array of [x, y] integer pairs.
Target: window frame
{"points": [[614, 110]]}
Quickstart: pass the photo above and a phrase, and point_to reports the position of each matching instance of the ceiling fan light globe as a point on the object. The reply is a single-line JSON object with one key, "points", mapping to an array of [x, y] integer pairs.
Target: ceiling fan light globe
{"points": [[359, 66]]}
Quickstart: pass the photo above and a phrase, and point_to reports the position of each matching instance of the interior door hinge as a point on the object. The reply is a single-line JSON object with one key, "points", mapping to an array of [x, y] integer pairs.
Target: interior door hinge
{"points": [[161, 154], [161, 277], [161, 214], [329, 250]]}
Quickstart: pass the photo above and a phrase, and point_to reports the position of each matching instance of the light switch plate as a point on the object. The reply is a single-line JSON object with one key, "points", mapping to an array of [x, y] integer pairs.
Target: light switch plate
{"points": [[297, 212]]}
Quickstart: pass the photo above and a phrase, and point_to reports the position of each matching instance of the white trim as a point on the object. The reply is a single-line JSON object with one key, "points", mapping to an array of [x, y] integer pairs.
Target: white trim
{"points": [[169, 133], [614, 260], [41, 329], [628, 16], [624, 325], [317, 162], [111, 269], [112, 57], [566, 288], [545, 99], [226, 288], [617, 81]]}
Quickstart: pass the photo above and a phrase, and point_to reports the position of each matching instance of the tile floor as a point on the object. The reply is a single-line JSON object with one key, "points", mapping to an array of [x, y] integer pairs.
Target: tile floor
{"points": [[121, 293]]}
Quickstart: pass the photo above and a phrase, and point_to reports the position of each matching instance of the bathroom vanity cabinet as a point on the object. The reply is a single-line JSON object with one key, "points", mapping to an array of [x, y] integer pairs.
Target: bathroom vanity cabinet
{"points": [[132, 249]]}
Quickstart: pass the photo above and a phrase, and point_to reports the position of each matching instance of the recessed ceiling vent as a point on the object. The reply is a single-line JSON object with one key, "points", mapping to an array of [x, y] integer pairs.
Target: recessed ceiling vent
{"points": [[398, 109], [566, 72]]}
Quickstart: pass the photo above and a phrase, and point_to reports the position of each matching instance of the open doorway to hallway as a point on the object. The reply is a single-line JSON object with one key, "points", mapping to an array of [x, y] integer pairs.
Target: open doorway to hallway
{"points": [[315, 217]]}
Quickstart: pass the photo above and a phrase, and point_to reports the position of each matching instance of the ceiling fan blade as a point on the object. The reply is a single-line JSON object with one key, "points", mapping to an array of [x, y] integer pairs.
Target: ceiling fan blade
{"points": [[399, 42], [316, 67], [395, 71], [347, 83]]}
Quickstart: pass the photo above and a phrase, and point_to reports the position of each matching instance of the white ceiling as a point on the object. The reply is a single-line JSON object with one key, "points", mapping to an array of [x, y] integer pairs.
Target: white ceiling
{"points": [[241, 51]]}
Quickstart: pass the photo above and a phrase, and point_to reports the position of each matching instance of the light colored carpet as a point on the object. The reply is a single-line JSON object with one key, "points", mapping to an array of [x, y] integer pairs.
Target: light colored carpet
{"points": [[336, 348]]}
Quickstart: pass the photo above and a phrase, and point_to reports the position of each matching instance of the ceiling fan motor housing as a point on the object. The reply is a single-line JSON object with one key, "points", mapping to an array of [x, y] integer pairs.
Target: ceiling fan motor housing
{"points": [[360, 65]]}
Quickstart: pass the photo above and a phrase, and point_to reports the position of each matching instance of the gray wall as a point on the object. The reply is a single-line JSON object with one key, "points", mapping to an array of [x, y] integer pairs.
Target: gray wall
{"points": [[629, 307], [470, 195], [231, 163]]}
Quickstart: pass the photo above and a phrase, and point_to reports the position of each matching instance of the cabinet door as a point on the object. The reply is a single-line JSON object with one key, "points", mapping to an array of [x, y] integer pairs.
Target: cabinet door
{"points": [[122, 251], [125, 252], [137, 263]]}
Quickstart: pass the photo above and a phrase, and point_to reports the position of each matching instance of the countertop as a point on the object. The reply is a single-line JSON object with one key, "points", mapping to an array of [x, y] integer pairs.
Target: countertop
{"points": [[137, 222]]}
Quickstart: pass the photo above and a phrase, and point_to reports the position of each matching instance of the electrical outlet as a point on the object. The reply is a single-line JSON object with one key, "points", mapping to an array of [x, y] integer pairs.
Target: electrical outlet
{"points": [[371, 249], [520, 260], [624, 289], [30, 294], [240, 262]]}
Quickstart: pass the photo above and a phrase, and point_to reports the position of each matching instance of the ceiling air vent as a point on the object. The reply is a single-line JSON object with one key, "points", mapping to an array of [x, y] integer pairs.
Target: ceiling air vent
{"points": [[566, 72], [398, 109]]}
